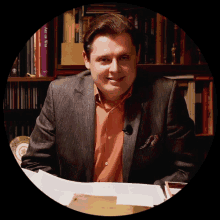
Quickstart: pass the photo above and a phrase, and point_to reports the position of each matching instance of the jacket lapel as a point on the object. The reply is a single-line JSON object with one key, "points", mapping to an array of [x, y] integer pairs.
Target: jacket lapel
{"points": [[133, 112], [85, 110], [132, 121]]}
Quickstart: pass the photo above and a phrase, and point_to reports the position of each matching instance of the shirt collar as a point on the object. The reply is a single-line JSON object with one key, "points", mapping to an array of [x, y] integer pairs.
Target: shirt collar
{"points": [[98, 97]]}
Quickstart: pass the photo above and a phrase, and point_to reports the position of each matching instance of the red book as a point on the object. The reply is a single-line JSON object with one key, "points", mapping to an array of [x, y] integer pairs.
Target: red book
{"points": [[210, 109], [37, 54], [44, 50], [159, 39], [205, 104]]}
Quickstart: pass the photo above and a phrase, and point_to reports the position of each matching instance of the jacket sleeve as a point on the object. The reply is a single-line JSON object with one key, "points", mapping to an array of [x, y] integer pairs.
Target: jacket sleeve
{"points": [[41, 153], [180, 140]]}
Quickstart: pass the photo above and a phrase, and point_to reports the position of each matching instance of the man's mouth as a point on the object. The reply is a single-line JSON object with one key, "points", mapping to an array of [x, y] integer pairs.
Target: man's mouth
{"points": [[115, 80]]}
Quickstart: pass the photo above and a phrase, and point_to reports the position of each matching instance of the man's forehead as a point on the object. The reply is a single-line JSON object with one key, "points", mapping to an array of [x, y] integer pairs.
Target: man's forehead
{"points": [[119, 43]]}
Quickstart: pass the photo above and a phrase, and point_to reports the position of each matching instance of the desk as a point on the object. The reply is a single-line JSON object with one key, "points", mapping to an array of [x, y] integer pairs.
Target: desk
{"points": [[102, 205]]}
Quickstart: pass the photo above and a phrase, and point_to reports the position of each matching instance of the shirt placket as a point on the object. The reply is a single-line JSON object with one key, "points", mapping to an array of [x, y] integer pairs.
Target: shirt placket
{"points": [[108, 139]]}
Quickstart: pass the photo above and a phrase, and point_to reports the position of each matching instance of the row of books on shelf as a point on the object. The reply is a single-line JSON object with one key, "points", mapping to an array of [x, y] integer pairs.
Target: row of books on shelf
{"points": [[198, 94], [162, 41], [20, 95], [18, 128], [36, 57]]}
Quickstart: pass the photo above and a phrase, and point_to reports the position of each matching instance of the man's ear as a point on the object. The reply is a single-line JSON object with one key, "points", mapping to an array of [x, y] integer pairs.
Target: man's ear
{"points": [[86, 60]]}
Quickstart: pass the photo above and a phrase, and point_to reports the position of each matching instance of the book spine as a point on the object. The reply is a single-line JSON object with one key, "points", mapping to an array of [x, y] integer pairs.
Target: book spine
{"points": [[15, 96], [37, 54], [170, 40], [44, 44], [210, 109], [73, 26], [152, 41], [80, 25], [28, 57], [32, 55], [146, 28], [165, 40], [205, 108], [35, 46], [18, 95], [159, 39], [192, 99], [198, 110], [182, 47], [177, 42]]}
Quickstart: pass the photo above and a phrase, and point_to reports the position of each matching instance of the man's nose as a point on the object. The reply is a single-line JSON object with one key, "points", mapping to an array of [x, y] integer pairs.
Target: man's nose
{"points": [[114, 66]]}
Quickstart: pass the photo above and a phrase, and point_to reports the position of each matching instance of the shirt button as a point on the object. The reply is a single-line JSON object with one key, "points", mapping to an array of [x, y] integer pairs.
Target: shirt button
{"points": [[109, 137], [106, 163]]}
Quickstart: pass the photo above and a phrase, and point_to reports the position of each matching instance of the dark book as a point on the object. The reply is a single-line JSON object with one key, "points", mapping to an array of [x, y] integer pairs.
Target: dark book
{"points": [[152, 40], [169, 40], [44, 50], [28, 57]]}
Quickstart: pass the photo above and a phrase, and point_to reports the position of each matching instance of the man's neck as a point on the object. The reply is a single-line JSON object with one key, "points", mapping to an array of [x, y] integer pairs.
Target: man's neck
{"points": [[110, 103]]}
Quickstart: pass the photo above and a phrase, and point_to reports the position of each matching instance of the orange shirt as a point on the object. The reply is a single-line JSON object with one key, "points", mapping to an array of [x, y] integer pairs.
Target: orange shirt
{"points": [[109, 140]]}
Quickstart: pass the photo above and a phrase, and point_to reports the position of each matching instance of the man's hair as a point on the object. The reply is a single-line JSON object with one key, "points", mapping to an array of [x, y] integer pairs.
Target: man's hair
{"points": [[109, 25]]}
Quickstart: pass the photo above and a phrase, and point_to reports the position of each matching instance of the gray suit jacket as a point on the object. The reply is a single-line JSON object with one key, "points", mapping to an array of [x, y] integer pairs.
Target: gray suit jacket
{"points": [[158, 138]]}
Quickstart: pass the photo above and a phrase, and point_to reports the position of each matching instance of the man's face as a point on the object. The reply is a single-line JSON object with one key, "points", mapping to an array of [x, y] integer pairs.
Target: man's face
{"points": [[112, 63]]}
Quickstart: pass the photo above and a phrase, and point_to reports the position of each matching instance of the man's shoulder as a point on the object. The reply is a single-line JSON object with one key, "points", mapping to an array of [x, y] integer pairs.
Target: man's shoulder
{"points": [[150, 80], [69, 81]]}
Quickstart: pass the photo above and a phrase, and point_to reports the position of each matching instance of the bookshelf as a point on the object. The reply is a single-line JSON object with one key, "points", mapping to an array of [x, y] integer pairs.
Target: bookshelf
{"points": [[166, 50], [29, 79]]}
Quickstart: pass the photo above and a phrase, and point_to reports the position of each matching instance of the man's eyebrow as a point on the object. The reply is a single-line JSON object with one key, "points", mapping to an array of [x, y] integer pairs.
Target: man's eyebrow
{"points": [[109, 55]]}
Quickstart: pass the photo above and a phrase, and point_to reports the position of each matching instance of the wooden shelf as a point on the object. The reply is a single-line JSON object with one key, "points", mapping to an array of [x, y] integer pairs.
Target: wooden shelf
{"points": [[158, 69], [29, 79]]}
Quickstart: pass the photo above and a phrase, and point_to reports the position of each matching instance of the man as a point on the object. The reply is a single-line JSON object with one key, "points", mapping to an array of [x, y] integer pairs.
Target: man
{"points": [[108, 123]]}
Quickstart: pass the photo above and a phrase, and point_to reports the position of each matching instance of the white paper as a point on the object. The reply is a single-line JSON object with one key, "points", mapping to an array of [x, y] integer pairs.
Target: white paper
{"points": [[135, 200], [28, 173], [174, 190], [62, 190]]}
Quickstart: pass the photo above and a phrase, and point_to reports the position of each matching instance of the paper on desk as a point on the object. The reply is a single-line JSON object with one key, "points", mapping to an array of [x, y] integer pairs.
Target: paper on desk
{"points": [[62, 190], [28, 173], [135, 200], [126, 192]]}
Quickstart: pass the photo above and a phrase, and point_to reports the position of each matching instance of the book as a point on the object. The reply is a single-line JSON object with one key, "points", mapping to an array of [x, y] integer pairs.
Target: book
{"points": [[205, 93], [28, 54], [177, 42], [159, 39], [152, 40], [191, 100], [32, 55], [38, 53], [44, 50], [205, 112], [210, 110], [165, 40]]}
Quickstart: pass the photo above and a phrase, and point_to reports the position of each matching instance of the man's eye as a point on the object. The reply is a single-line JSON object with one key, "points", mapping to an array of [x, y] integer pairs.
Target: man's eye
{"points": [[104, 60], [124, 58]]}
